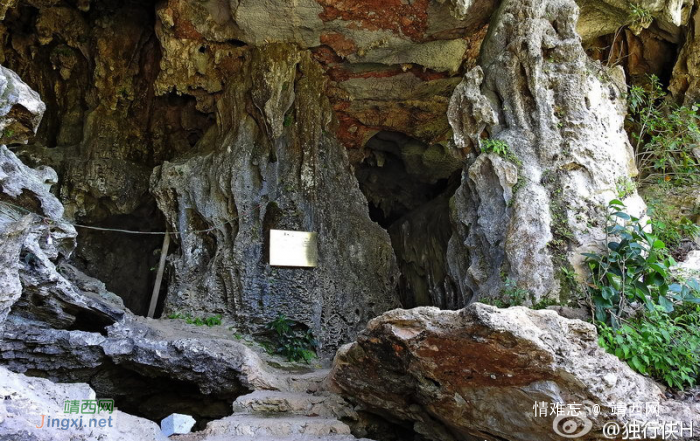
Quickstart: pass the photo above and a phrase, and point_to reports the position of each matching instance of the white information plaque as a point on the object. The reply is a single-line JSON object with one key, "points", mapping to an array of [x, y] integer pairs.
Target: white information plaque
{"points": [[293, 248]]}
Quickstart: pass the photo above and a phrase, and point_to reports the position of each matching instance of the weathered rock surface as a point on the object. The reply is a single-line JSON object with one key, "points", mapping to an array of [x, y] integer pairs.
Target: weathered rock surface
{"points": [[272, 164], [283, 415], [31, 223], [104, 128], [561, 115], [477, 373], [36, 237], [28, 402], [21, 109], [66, 326], [601, 17], [169, 349], [684, 81]]}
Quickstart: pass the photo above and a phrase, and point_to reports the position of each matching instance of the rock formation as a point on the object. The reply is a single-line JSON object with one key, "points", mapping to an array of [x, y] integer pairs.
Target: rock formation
{"points": [[272, 164], [29, 402], [445, 151], [476, 374], [561, 116], [601, 17]]}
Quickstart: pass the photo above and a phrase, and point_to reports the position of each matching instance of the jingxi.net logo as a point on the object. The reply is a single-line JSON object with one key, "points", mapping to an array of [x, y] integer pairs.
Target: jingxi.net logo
{"points": [[81, 413]]}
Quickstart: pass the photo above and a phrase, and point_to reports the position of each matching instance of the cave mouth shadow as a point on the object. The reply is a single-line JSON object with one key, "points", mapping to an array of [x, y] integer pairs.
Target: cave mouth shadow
{"points": [[126, 263], [156, 397], [408, 185]]}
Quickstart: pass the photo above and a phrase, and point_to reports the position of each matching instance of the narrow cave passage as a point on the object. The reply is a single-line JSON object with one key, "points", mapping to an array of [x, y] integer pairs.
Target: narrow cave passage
{"points": [[408, 185]]}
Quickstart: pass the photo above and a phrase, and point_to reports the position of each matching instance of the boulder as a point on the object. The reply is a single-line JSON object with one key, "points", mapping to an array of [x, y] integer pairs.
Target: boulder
{"points": [[176, 423], [480, 373], [28, 403], [143, 348]]}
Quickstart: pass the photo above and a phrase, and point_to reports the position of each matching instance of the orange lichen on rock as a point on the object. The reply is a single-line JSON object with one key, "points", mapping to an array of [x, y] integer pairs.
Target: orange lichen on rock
{"points": [[342, 45], [410, 20]]}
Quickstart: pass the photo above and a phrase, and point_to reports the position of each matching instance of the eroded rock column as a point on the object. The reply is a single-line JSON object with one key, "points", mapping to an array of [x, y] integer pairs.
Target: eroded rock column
{"points": [[272, 163], [561, 115]]}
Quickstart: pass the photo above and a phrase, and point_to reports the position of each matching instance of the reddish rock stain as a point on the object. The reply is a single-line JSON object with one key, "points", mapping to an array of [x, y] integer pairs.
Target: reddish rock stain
{"points": [[398, 16], [342, 45]]}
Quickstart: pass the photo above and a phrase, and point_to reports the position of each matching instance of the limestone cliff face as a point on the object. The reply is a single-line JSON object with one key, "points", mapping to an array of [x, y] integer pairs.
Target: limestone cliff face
{"points": [[362, 120], [239, 116], [527, 217], [130, 85], [271, 163]]}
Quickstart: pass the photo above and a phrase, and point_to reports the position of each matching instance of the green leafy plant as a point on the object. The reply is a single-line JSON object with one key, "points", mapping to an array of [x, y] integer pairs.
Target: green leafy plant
{"points": [[658, 344], [291, 341], [669, 226], [515, 296], [512, 295], [499, 147], [669, 207], [288, 120], [210, 321], [663, 135], [643, 315], [640, 17], [673, 232], [625, 187], [545, 303], [633, 271]]}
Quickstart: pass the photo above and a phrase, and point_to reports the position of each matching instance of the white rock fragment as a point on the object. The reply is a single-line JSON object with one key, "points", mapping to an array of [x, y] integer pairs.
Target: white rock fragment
{"points": [[177, 424]]}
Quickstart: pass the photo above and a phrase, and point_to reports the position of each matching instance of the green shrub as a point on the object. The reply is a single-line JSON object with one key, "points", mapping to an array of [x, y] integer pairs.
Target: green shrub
{"points": [[661, 338], [663, 136], [634, 269], [640, 17], [512, 295], [501, 148], [658, 344], [291, 341], [672, 230]]}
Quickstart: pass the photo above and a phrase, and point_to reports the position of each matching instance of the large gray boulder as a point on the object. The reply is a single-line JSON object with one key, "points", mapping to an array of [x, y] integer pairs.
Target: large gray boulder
{"points": [[134, 347], [529, 218], [477, 374], [28, 403]]}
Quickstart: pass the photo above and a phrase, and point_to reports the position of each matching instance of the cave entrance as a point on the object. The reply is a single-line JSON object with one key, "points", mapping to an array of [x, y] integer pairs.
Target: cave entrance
{"points": [[126, 263], [408, 185], [157, 396]]}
